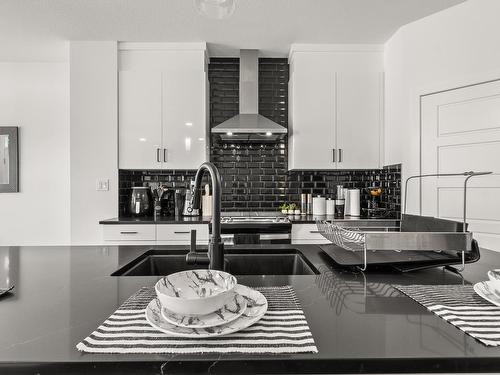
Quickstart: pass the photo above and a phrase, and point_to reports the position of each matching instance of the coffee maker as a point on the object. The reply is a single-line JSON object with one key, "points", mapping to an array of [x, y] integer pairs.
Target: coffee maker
{"points": [[188, 202]]}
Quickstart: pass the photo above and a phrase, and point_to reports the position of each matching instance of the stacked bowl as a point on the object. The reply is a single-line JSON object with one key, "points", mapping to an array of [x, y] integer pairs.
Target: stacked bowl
{"points": [[490, 289], [204, 303]]}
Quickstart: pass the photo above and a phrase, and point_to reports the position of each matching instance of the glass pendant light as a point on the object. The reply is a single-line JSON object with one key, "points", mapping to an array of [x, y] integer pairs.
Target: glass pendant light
{"points": [[215, 9]]}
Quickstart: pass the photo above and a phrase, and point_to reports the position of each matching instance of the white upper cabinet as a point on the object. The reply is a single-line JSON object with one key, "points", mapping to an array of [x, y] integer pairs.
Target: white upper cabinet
{"points": [[359, 119], [184, 124], [311, 114], [335, 107], [162, 106], [140, 120]]}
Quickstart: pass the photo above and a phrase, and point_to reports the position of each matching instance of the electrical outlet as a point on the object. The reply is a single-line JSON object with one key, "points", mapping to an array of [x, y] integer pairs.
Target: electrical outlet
{"points": [[102, 185]]}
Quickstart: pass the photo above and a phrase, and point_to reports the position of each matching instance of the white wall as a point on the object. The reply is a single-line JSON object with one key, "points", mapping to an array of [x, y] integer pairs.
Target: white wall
{"points": [[34, 95], [94, 137], [455, 47], [68, 139]]}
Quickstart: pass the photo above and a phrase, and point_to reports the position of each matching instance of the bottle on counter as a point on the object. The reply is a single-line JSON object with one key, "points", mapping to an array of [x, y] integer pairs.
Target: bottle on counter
{"points": [[309, 204], [303, 204], [340, 202]]}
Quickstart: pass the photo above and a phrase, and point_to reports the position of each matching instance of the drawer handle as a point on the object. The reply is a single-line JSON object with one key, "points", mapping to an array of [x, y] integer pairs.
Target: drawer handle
{"points": [[314, 231], [128, 232], [187, 232]]}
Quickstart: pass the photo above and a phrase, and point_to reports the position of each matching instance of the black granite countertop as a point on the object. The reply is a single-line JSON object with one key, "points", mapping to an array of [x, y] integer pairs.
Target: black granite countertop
{"points": [[307, 219], [295, 219], [158, 220], [359, 322]]}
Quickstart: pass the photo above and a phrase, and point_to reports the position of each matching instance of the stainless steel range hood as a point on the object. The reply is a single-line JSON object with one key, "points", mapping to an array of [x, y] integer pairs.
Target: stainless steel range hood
{"points": [[248, 125]]}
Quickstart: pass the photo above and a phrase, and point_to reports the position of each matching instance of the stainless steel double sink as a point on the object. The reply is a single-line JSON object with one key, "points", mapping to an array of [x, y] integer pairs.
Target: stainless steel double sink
{"points": [[237, 262]]}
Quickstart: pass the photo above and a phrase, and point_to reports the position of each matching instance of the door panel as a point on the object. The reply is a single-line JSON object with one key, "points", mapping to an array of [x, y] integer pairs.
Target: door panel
{"points": [[312, 137], [461, 132], [139, 119], [359, 116], [184, 120]]}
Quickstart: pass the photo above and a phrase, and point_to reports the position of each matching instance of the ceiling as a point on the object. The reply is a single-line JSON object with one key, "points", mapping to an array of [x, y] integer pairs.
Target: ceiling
{"points": [[268, 25]]}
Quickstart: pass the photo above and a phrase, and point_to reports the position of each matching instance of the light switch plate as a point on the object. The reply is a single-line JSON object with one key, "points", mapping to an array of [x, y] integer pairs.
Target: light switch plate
{"points": [[102, 185]]}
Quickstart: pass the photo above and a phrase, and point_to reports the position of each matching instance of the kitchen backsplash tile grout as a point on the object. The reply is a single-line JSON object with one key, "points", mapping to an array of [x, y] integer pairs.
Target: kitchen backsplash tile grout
{"points": [[256, 176]]}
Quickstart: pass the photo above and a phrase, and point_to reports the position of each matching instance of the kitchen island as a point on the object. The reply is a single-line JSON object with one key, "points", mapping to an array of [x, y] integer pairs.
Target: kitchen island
{"points": [[360, 324]]}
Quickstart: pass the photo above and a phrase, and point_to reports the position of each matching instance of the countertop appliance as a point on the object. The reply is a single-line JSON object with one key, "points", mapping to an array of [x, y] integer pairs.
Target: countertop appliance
{"points": [[141, 201], [254, 227], [189, 209]]}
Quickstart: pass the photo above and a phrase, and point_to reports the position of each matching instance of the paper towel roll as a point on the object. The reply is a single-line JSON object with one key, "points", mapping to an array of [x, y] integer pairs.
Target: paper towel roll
{"points": [[354, 199], [319, 205], [347, 207]]}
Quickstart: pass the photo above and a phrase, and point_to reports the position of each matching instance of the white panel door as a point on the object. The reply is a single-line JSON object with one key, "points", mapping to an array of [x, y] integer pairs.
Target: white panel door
{"points": [[461, 132], [184, 119], [140, 130], [359, 119], [312, 138]]}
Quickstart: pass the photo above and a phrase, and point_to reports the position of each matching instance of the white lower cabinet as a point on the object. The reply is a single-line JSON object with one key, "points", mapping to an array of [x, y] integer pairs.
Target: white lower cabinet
{"points": [[152, 234], [180, 234], [307, 234], [129, 232]]}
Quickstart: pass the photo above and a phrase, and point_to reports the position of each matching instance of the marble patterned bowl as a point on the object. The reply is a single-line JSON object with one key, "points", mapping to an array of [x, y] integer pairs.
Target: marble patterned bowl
{"points": [[196, 292]]}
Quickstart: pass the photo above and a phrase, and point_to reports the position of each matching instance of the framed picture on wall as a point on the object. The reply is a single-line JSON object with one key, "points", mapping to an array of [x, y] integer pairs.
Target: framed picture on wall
{"points": [[9, 159]]}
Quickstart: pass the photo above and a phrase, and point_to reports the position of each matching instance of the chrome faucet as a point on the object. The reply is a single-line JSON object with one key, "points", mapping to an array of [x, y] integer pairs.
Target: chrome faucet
{"points": [[215, 245]]}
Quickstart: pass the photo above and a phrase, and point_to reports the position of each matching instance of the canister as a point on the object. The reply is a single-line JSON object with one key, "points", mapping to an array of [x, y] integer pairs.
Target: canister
{"points": [[330, 206], [319, 205]]}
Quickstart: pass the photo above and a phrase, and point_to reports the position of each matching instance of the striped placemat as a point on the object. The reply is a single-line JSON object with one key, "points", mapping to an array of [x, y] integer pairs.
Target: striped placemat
{"points": [[283, 329], [460, 306]]}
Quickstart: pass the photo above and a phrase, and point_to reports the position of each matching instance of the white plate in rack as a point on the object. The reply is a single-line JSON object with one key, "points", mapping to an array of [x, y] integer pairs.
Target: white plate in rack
{"points": [[226, 314], [256, 308]]}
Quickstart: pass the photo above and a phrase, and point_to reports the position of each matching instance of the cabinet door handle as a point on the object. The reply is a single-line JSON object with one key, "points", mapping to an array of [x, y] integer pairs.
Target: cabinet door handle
{"points": [[314, 231], [340, 155], [181, 232], [333, 155], [165, 155], [158, 155], [128, 232]]}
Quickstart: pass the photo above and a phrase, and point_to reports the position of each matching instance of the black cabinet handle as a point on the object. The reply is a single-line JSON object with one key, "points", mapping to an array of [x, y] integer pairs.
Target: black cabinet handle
{"points": [[340, 155], [333, 155], [165, 155], [128, 232], [182, 232], [158, 155]]}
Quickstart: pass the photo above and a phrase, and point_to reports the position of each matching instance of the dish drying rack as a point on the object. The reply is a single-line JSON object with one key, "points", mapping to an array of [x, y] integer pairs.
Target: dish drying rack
{"points": [[356, 240]]}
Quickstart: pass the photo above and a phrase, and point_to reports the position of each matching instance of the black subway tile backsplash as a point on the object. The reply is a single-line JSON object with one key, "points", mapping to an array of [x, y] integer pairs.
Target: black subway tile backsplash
{"points": [[256, 176]]}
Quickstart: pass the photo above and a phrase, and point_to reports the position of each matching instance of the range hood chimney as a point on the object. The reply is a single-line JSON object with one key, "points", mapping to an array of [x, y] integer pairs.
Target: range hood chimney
{"points": [[248, 125]]}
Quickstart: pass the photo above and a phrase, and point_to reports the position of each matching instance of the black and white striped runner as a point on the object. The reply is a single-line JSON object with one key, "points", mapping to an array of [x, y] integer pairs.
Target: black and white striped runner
{"points": [[283, 329], [460, 306]]}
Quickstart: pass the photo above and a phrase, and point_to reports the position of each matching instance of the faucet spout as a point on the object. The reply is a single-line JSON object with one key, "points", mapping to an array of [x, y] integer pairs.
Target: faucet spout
{"points": [[215, 245]]}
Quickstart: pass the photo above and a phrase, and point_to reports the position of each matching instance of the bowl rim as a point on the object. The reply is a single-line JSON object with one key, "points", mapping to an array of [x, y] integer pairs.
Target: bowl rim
{"points": [[231, 277]]}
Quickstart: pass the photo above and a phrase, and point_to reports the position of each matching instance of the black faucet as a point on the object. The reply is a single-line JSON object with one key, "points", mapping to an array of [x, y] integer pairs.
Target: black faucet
{"points": [[215, 245]]}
